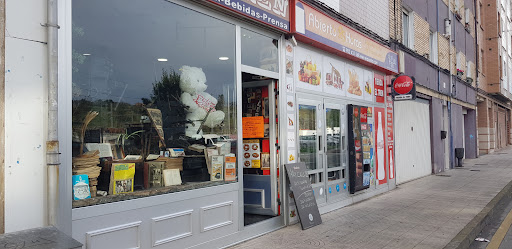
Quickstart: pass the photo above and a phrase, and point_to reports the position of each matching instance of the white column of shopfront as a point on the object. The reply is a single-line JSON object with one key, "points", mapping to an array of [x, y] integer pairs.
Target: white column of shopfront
{"points": [[65, 124]]}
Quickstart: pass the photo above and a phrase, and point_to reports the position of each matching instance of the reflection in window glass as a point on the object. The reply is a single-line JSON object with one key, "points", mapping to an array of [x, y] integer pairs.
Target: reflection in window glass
{"points": [[333, 152], [160, 76], [333, 175], [307, 135], [259, 51]]}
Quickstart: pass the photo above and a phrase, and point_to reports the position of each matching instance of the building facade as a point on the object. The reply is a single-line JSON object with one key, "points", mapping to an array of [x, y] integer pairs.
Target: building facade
{"points": [[2, 118], [140, 80], [436, 42], [494, 79]]}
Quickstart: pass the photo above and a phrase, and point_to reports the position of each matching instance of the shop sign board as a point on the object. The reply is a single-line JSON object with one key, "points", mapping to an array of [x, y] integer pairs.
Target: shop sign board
{"points": [[318, 27], [275, 13], [404, 88], [305, 200]]}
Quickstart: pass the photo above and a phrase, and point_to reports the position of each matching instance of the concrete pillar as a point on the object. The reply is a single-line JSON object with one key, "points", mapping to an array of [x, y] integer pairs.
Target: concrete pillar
{"points": [[483, 127], [2, 115]]}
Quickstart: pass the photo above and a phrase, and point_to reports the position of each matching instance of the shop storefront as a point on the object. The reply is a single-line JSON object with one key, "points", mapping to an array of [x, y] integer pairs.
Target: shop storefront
{"points": [[339, 116], [182, 114], [177, 98]]}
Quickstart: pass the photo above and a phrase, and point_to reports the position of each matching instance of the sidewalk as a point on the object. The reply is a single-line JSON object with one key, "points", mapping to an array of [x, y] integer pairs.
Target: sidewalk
{"points": [[424, 213]]}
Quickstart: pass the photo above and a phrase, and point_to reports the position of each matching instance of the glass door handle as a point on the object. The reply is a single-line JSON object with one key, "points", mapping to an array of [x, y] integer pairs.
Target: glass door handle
{"points": [[319, 143]]}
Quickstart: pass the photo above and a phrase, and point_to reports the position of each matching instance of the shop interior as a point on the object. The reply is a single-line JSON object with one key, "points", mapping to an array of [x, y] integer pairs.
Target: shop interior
{"points": [[260, 155]]}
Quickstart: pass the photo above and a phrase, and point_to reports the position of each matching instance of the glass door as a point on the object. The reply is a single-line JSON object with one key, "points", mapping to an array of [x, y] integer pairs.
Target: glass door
{"points": [[335, 149], [312, 142], [323, 145]]}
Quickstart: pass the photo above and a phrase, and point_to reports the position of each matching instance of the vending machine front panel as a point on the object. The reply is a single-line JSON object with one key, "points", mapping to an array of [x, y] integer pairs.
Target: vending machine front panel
{"points": [[358, 147]]}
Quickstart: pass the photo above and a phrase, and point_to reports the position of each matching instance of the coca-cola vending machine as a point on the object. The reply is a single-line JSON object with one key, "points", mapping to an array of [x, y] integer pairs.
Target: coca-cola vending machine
{"points": [[359, 148]]}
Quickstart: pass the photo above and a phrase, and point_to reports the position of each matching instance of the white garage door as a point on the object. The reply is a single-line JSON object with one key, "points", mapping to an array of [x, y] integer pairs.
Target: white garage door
{"points": [[412, 140]]}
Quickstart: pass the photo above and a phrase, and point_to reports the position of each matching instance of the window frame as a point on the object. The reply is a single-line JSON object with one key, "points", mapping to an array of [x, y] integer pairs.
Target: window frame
{"points": [[66, 214], [408, 28], [434, 54]]}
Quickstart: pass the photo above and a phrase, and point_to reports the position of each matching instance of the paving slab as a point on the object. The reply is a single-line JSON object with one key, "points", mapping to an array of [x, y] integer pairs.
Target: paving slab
{"points": [[430, 212]]}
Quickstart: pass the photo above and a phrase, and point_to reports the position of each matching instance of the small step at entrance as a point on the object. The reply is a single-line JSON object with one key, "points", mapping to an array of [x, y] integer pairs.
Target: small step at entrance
{"points": [[41, 238]]}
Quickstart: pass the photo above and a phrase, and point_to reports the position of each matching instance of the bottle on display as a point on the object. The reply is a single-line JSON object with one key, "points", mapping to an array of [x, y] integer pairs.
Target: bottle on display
{"points": [[381, 174], [391, 167]]}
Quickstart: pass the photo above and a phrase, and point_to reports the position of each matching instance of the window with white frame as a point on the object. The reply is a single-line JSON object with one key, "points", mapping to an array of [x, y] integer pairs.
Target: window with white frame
{"points": [[407, 28], [433, 47]]}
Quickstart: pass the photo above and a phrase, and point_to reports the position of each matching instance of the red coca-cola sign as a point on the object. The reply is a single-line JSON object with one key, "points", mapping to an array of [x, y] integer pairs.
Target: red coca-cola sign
{"points": [[403, 84]]}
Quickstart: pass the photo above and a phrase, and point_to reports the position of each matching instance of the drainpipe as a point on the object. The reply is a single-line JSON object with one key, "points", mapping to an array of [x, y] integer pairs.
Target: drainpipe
{"points": [[477, 48], [52, 143], [477, 59], [451, 83], [438, 67]]}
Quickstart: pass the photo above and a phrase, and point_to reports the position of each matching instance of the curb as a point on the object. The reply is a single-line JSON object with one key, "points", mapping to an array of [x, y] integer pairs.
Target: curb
{"points": [[466, 236]]}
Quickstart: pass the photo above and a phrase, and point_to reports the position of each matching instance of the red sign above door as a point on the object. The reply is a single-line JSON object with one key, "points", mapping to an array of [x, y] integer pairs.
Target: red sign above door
{"points": [[403, 84], [403, 88]]}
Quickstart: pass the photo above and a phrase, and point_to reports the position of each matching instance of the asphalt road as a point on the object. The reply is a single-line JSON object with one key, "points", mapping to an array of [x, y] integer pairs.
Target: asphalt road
{"points": [[498, 231]]}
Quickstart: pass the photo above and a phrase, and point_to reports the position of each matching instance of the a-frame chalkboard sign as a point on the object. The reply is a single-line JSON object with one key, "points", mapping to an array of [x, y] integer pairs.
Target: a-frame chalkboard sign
{"points": [[303, 194]]}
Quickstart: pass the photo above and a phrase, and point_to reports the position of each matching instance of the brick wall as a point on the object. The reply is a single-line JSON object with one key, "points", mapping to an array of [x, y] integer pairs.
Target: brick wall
{"points": [[491, 63], [370, 13], [443, 47], [421, 35], [462, 64], [395, 19]]}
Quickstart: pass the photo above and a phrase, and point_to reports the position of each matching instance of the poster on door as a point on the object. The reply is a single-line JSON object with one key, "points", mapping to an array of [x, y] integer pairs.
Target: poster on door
{"points": [[354, 78], [334, 80], [308, 69], [380, 149]]}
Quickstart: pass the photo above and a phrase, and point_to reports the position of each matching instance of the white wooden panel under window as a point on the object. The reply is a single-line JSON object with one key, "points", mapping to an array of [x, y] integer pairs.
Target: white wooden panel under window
{"points": [[412, 136]]}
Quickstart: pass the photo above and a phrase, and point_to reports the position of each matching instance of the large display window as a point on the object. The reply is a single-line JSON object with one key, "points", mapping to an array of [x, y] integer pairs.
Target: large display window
{"points": [[154, 100]]}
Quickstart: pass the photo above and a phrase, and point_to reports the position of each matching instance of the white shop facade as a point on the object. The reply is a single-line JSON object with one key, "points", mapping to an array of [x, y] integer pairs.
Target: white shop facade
{"points": [[264, 99]]}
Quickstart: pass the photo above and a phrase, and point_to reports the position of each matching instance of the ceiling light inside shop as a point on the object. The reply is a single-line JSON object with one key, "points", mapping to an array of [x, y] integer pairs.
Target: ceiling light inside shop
{"points": [[162, 59], [86, 54], [223, 58]]}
